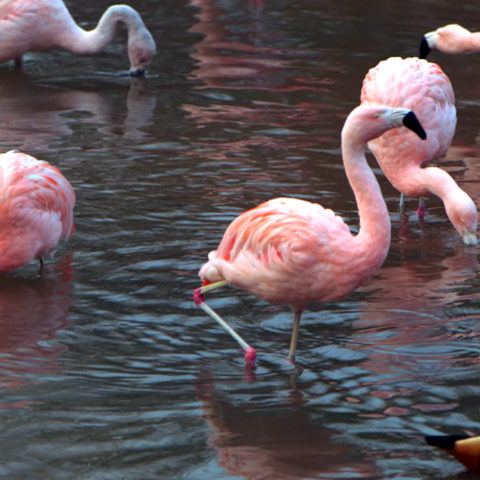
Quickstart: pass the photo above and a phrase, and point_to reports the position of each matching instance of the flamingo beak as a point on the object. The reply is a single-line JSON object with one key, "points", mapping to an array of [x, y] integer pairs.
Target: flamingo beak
{"points": [[137, 72], [470, 239], [424, 48], [410, 120]]}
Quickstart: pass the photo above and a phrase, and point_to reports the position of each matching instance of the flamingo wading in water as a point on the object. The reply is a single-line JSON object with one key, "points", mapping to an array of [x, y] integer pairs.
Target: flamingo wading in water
{"points": [[421, 86], [452, 39], [294, 252], [28, 25], [36, 209]]}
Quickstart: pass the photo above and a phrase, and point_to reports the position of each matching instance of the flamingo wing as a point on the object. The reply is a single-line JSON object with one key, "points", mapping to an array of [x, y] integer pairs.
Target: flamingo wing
{"points": [[284, 250]]}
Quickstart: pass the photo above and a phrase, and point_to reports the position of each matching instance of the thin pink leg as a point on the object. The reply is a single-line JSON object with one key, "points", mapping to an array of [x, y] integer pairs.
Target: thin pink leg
{"points": [[421, 208], [250, 354]]}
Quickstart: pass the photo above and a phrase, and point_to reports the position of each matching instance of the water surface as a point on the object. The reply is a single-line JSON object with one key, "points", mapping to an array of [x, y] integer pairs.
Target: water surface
{"points": [[107, 369]]}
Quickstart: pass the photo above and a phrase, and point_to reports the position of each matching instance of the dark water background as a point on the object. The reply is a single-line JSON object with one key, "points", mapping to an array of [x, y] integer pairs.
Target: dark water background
{"points": [[107, 369]]}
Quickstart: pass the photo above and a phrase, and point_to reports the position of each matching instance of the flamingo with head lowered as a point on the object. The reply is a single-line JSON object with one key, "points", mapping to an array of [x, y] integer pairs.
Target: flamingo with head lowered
{"points": [[421, 86], [36, 209], [29, 25], [295, 252]]}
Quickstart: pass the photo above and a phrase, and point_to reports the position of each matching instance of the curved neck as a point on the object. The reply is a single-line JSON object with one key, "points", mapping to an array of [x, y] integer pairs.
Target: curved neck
{"points": [[436, 181], [81, 41], [375, 227]]}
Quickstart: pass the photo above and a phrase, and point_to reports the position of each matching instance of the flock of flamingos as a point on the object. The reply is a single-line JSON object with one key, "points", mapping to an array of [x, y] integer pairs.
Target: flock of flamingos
{"points": [[285, 250]]}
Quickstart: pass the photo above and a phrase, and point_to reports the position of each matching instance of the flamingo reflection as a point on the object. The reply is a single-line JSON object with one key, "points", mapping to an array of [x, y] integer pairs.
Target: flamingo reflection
{"points": [[31, 313], [273, 444], [37, 116], [230, 71]]}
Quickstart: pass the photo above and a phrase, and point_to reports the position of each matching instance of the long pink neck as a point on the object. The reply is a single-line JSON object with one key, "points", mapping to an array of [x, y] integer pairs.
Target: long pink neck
{"points": [[436, 181], [373, 238], [81, 41]]}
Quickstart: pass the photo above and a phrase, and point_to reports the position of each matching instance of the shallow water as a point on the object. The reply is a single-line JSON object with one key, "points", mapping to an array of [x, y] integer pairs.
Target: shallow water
{"points": [[107, 369]]}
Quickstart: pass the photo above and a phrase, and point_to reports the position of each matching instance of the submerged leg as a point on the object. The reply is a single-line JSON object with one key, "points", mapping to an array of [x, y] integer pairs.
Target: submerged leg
{"points": [[421, 207], [401, 203], [40, 270], [250, 354], [294, 339]]}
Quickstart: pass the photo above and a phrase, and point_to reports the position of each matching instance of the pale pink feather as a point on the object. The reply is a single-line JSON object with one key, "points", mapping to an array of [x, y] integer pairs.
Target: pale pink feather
{"points": [[29, 25], [423, 87], [36, 209]]}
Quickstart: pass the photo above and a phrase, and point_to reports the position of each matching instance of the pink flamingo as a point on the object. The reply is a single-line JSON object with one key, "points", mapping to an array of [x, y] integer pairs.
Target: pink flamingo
{"points": [[451, 39], [294, 252], [27, 25], [420, 85], [36, 209]]}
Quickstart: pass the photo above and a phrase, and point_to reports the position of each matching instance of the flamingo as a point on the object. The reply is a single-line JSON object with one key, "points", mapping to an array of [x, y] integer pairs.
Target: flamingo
{"points": [[420, 85], [27, 25], [294, 252], [464, 448], [36, 209], [451, 39]]}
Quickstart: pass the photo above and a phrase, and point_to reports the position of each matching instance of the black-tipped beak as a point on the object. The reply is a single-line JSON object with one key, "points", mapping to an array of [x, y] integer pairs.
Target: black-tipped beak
{"points": [[411, 121], [424, 48], [137, 72], [446, 442]]}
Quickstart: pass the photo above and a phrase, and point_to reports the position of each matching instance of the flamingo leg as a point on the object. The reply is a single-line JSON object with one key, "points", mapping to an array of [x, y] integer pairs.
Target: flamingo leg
{"points": [[250, 354], [401, 203], [40, 269], [294, 339], [421, 207]]}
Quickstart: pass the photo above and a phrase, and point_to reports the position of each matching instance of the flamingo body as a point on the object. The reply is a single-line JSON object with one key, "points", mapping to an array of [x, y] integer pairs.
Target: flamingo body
{"points": [[270, 250], [423, 86], [450, 39], [29, 25], [294, 252], [36, 209]]}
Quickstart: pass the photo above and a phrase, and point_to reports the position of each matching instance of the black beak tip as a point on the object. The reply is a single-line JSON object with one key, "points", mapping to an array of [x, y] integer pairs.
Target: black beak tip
{"points": [[137, 72], [424, 48], [411, 122], [447, 442]]}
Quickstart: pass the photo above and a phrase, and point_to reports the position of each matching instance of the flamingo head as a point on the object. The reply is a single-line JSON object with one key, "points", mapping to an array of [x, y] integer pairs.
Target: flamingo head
{"points": [[450, 39], [141, 49], [462, 212]]}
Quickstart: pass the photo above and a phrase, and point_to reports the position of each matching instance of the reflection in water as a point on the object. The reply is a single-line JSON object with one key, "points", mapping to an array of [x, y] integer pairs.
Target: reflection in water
{"points": [[31, 313], [244, 65], [36, 116], [274, 444], [250, 89], [411, 333]]}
